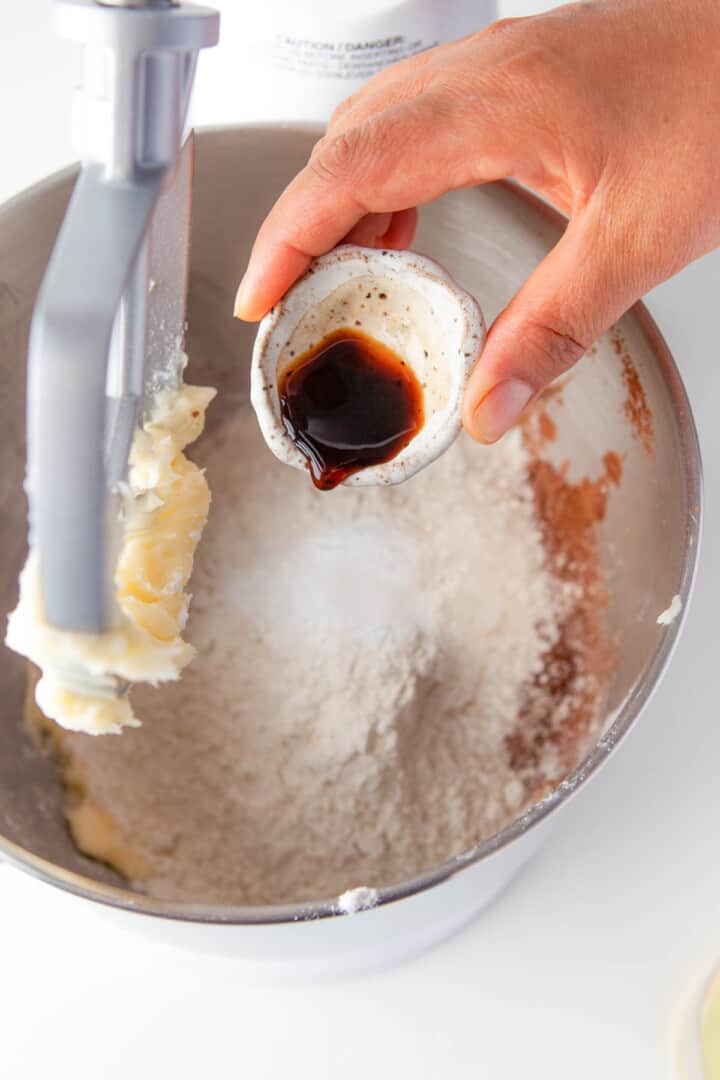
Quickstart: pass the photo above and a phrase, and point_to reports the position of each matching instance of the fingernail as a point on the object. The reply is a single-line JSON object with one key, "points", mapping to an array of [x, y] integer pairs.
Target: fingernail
{"points": [[241, 299], [500, 408]]}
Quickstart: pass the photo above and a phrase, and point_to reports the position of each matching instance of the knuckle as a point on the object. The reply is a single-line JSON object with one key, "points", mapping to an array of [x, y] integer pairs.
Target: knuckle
{"points": [[341, 111], [414, 85], [526, 55], [336, 159], [321, 146], [552, 350], [518, 68], [499, 29]]}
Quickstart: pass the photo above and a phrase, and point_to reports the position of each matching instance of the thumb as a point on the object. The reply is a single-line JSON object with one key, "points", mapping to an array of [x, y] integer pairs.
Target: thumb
{"points": [[575, 294]]}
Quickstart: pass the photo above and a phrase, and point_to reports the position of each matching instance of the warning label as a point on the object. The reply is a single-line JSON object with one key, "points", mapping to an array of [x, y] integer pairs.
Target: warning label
{"points": [[343, 59]]}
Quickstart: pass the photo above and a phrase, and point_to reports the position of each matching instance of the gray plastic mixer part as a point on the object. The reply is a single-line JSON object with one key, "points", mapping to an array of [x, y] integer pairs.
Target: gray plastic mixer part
{"points": [[86, 364]]}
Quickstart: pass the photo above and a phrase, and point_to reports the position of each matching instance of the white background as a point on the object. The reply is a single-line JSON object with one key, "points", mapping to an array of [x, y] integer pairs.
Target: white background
{"points": [[586, 968]]}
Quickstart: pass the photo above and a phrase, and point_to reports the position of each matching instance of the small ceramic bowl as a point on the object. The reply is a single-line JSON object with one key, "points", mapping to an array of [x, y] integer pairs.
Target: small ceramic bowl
{"points": [[405, 301]]}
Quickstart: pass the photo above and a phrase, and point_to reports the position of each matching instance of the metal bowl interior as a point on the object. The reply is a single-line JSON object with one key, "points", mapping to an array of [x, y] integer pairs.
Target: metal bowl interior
{"points": [[489, 239]]}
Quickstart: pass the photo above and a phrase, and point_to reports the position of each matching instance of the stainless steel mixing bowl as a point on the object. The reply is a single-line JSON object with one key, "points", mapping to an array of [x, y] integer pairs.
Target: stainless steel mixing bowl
{"points": [[489, 239]]}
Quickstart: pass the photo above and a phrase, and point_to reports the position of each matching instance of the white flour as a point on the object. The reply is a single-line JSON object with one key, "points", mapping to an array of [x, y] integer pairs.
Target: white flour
{"points": [[363, 658]]}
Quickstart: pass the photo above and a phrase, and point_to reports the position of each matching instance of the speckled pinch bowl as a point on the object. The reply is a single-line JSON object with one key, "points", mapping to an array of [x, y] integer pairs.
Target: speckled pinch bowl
{"points": [[408, 303]]}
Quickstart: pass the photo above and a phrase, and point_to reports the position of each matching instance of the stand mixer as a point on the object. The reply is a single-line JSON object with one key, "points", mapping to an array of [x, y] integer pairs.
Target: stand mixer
{"points": [[108, 325]]}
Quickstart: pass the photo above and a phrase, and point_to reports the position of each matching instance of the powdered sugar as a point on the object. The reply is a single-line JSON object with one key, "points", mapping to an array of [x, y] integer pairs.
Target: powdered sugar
{"points": [[358, 899], [334, 559]]}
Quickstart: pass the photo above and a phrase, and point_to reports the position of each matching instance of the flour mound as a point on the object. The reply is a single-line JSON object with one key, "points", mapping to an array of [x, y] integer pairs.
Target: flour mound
{"points": [[363, 660]]}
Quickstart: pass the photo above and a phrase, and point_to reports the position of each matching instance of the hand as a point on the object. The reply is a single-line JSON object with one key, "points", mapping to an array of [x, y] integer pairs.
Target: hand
{"points": [[610, 110]]}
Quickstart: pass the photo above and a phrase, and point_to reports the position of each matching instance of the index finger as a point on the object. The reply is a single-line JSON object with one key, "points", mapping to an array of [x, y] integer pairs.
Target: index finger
{"points": [[286, 242], [406, 155]]}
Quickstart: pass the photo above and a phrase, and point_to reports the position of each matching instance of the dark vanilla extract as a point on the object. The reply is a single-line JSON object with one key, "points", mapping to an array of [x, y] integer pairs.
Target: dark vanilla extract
{"points": [[347, 403]]}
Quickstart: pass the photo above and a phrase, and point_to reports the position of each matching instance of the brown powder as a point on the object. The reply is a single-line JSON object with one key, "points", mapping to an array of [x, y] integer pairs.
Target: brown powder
{"points": [[536, 424], [613, 467], [635, 407], [546, 426], [562, 709]]}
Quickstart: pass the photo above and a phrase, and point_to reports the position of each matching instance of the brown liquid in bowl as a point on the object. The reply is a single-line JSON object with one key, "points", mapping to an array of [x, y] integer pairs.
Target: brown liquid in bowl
{"points": [[348, 403]]}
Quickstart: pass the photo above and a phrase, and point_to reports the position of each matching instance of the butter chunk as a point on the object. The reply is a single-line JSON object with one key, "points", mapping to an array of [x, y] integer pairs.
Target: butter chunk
{"points": [[165, 504]]}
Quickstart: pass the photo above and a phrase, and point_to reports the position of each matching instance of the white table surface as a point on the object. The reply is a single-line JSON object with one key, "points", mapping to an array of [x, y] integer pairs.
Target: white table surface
{"points": [[584, 969]]}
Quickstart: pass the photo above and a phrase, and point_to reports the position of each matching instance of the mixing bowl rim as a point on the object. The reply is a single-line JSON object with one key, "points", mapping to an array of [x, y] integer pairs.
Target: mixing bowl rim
{"points": [[624, 720]]}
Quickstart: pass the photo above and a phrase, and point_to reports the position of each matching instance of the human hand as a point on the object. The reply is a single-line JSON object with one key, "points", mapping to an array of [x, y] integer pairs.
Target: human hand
{"points": [[610, 110]]}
